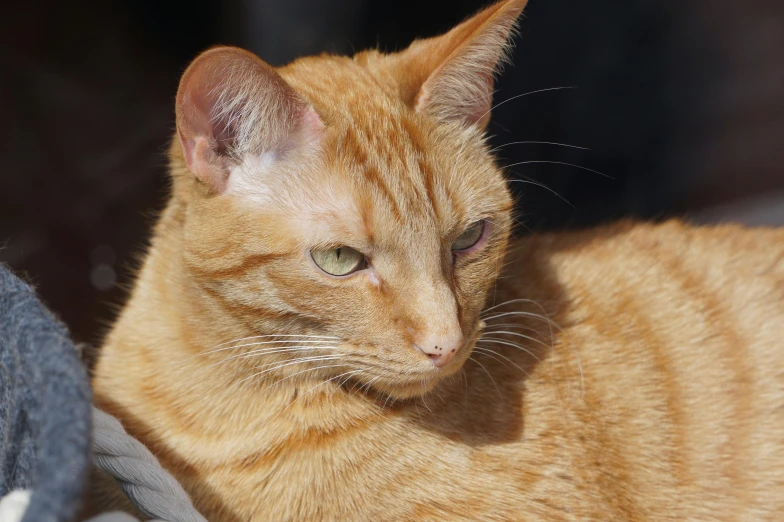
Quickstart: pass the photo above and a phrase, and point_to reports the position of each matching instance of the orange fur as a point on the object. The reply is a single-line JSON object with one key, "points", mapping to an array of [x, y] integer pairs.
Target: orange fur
{"points": [[631, 372]]}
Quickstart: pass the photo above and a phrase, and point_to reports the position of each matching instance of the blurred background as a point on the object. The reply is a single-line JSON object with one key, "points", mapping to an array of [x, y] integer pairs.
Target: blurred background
{"points": [[680, 105]]}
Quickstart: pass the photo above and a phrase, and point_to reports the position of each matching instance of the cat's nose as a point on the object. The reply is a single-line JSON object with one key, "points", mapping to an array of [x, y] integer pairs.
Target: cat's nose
{"points": [[440, 348]]}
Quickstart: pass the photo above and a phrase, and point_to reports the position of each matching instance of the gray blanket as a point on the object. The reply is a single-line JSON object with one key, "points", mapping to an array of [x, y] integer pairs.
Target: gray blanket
{"points": [[45, 407]]}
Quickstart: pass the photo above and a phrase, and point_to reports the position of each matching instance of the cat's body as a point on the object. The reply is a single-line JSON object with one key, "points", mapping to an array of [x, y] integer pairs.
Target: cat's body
{"points": [[632, 372], [662, 397]]}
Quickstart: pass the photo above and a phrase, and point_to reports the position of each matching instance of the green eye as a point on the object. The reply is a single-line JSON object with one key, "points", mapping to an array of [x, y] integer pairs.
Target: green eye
{"points": [[470, 237], [338, 261]]}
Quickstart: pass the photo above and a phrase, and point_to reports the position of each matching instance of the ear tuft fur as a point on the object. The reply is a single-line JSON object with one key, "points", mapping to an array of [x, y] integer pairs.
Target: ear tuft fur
{"points": [[454, 72]]}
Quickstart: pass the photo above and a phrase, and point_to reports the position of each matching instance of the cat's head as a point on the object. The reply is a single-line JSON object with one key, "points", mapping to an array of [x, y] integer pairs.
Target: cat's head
{"points": [[353, 200]]}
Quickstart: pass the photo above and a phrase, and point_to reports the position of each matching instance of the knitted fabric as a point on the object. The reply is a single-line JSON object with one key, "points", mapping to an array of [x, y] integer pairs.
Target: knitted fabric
{"points": [[45, 410]]}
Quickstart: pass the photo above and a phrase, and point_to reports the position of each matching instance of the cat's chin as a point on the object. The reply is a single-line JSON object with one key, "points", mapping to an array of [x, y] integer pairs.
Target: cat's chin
{"points": [[404, 389]]}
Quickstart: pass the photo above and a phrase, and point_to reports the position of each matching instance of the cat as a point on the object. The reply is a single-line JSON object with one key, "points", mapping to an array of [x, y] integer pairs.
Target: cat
{"points": [[333, 321]]}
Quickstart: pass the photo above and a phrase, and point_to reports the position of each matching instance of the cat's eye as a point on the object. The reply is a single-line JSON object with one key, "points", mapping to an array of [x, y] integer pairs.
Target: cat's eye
{"points": [[470, 237], [338, 261]]}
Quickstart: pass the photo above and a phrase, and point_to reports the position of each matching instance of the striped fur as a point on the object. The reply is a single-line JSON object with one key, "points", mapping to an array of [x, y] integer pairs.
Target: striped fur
{"points": [[632, 372]]}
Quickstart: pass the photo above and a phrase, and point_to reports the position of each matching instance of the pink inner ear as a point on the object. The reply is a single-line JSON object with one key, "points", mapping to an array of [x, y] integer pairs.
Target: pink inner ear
{"points": [[203, 137], [205, 163], [229, 104], [204, 117]]}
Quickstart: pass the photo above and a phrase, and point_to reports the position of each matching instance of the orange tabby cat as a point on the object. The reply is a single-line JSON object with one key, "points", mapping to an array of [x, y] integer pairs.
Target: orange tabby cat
{"points": [[320, 332]]}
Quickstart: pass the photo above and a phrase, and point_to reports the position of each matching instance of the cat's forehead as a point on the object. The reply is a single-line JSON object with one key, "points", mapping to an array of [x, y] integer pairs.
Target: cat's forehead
{"points": [[400, 173], [387, 167], [340, 86]]}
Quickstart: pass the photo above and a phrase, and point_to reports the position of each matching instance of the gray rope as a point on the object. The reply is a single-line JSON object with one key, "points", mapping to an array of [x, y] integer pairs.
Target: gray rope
{"points": [[116, 516], [139, 474]]}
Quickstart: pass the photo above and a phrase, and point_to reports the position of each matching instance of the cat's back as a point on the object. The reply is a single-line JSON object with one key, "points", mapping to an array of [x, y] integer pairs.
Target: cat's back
{"points": [[667, 360]]}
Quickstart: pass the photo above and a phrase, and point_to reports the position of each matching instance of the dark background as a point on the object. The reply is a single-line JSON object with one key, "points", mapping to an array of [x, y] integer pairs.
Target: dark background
{"points": [[680, 102]]}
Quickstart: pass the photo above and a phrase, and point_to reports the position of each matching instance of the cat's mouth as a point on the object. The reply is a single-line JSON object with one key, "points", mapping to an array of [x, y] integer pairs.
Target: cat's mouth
{"points": [[404, 382], [416, 380]]}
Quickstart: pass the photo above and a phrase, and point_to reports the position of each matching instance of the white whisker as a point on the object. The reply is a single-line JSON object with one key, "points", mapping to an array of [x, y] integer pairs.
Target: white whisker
{"points": [[558, 163], [310, 370], [389, 397], [514, 345], [272, 350], [305, 338], [335, 377], [527, 337], [524, 94], [538, 143], [424, 403], [460, 152], [488, 352], [512, 325], [523, 314], [314, 387], [297, 361], [506, 303], [488, 374], [542, 185], [367, 385]]}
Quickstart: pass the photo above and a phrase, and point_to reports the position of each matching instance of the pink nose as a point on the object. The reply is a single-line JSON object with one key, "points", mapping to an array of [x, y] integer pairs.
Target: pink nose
{"points": [[441, 349]]}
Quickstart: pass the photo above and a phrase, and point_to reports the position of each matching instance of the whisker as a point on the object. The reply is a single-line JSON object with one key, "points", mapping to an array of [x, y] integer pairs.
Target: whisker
{"points": [[306, 358], [241, 339], [548, 89], [297, 361], [559, 163], [506, 303], [342, 383], [272, 350], [460, 152], [353, 389], [512, 325], [333, 378], [309, 370], [424, 403], [419, 415], [389, 397], [538, 143], [305, 338], [488, 374], [524, 314], [367, 385], [514, 345], [527, 337], [542, 185], [540, 317], [464, 376], [488, 352], [314, 387]]}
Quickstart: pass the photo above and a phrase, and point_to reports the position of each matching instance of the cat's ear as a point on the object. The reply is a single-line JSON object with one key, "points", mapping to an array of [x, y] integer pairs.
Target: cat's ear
{"points": [[231, 104], [451, 76]]}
